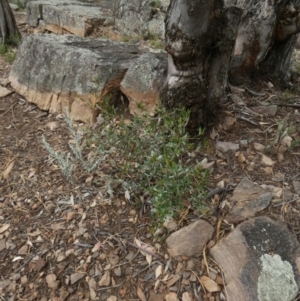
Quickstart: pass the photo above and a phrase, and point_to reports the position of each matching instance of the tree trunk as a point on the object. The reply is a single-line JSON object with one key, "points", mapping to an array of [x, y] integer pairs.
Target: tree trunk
{"points": [[9, 32], [212, 40]]}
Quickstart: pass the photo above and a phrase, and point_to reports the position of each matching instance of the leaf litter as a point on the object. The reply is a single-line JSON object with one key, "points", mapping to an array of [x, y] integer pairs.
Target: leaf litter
{"points": [[78, 243]]}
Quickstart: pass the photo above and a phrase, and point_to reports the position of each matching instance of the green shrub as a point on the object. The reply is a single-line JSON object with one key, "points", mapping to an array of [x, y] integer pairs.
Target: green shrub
{"points": [[152, 158]]}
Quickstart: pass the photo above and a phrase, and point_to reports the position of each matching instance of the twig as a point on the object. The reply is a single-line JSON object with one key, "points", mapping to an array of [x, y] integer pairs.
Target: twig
{"points": [[287, 202], [292, 105], [219, 226], [143, 250], [40, 200], [205, 260], [254, 93], [109, 287], [11, 107], [247, 120], [214, 191]]}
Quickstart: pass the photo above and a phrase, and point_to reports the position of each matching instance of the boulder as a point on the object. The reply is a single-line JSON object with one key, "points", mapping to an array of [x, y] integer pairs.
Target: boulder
{"points": [[190, 240], [143, 81], [141, 18], [58, 72], [260, 260], [68, 16]]}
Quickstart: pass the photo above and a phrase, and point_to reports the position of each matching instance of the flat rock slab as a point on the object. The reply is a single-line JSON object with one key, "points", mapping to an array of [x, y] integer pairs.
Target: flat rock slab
{"points": [[4, 92], [144, 18], [58, 72], [68, 16], [260, 260], [248, 198], [190, 240]]}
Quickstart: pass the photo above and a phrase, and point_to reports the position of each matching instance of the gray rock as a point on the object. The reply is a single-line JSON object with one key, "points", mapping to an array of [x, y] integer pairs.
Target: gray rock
{"points": [[56, 72], [276, 273], [143, 81], [190, 240], [141, 17], [20, 3], [248, 198], [265, 110], [68, 16], [226, 146], [260, 260], [14, 6], [296, 185]]}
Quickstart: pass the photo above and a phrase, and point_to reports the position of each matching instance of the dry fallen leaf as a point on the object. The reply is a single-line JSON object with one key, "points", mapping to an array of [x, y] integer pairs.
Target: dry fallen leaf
{"points": [[7, 169], [4, 228], [158, 271], [173, 280], [171, 297], [17, 258], [97, 246], [141, 294], [209, 284], [187, 296], [105, 280], [127, 195]]}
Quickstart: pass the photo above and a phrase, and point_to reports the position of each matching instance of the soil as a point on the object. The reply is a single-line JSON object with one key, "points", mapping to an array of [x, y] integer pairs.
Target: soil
{"points": [[71, 242]]}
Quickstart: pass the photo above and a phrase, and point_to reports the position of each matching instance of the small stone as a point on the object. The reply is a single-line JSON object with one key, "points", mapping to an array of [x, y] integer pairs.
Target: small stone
{"points": [[52, 282], [228, 123], [2, 244], [244, 143], [132, 212], [267, 161], [259, 147], [226, 146], [190, 240], [61, 257], [270, 110], [76, 277], [24, 279], [248, 198], [296, 185], [170, 225]]}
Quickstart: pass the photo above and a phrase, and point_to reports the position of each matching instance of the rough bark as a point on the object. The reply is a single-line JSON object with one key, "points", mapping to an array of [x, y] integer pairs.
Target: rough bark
{"points": [[213, 40], [9, 32]]}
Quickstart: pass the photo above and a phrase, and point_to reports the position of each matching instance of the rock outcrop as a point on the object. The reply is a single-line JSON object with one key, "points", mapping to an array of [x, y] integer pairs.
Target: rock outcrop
{"points": [[68, 16], [58, 72], [260, 260], [141, 18]]}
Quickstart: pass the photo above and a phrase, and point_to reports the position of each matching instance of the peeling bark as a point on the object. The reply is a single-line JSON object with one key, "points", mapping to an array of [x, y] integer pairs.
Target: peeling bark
{"points": [[209, 41], [9, 32]]}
